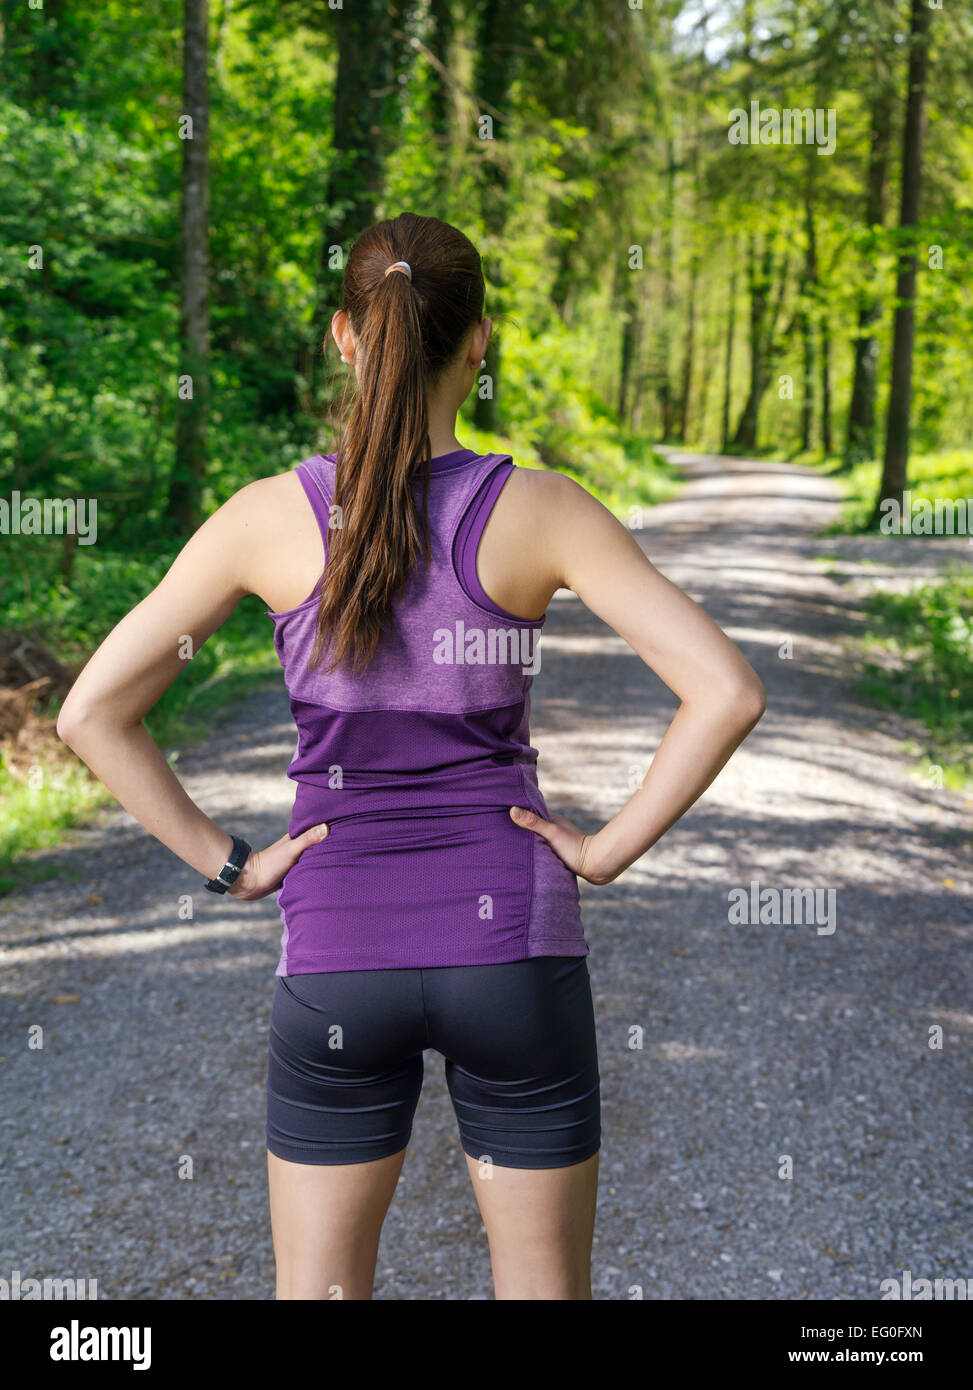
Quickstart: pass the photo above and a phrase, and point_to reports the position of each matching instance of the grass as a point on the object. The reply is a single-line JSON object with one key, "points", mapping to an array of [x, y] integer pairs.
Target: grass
{"points": [[945, 475], [622, 470], [59, 792], [922, 642]]}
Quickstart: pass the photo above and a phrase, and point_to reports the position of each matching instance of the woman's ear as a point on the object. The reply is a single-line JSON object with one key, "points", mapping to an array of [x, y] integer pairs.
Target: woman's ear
{"points": [[343, 336], [478, 342]]}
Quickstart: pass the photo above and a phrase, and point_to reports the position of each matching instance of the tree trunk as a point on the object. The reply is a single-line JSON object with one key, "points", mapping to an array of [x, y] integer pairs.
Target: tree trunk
{"points": [[498, 30], [710, 336], [827, 439], [441, 97], [668, 294], [809, 286], [687, 362], [627, 301], [764, 345], [894, 472], [689, 350], [758, 275], [728, 368], [637, 414], [189, 469], [365, 96], [807, 393], [222, 37], [860, 434]]}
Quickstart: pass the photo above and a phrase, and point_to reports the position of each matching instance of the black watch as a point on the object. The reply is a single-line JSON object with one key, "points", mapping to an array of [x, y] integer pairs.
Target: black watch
{"points": [[230, 871]]}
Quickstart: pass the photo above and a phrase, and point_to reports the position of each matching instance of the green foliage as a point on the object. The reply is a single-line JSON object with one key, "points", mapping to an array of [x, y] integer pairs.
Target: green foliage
{"points": [[611, 133], [34, 814], [82, 334], [559, 421], [944, 475], [923, 644]]}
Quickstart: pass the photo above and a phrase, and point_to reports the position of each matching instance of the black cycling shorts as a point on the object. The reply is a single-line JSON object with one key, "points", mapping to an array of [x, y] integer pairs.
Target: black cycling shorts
{"points": [[345, 1066]]}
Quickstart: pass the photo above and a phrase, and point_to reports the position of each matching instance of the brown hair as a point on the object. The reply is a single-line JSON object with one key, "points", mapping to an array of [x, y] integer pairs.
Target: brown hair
{"points": [[407, 331]]}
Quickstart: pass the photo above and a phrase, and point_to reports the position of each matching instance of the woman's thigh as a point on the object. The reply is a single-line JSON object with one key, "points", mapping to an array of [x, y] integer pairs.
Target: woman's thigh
{"points": [[343, 1080], [540, 1225], [327, 1221], [522, 1070]]}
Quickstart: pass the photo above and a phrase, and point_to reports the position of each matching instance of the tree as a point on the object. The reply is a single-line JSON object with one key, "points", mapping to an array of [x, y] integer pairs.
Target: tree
{"points": [[894, 471], [371, 47], [666, 258], [499, 32], [442, 23], [689, 349], [728, 358], [765, 306], [860, 434], [627, 306], [808, 288], [189, 469]]}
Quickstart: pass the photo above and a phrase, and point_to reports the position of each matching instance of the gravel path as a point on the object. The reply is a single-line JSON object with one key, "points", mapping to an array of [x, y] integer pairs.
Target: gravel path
{"points": [[760, 1041]]}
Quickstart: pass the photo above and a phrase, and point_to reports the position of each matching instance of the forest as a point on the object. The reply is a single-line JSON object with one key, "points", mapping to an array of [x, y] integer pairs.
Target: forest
{"points": [[744, 226]]}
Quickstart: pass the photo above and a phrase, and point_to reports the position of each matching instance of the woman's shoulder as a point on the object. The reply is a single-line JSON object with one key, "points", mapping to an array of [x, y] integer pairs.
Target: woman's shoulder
{"points": [[265, 518], [273, 499], [539, 510], [548, 491], [274, 536]]}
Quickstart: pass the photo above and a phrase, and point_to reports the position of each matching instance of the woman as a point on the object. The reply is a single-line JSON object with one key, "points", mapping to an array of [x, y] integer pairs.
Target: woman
{"points": [[428, 897]]}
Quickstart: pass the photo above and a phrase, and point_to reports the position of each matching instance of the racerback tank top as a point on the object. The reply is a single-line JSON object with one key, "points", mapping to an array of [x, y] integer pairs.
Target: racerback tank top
{"points": [[415, 763]]}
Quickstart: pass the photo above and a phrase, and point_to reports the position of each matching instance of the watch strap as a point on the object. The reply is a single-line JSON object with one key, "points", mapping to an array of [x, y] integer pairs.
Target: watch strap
{"points": [[230, 871]]}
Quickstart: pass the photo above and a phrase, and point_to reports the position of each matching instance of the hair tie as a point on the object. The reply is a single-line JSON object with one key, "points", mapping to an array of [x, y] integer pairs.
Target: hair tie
{"points": [[404, 266]]}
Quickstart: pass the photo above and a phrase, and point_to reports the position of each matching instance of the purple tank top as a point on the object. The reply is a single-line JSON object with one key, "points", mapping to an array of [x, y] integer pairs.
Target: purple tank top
{"points": [[415, 763]]}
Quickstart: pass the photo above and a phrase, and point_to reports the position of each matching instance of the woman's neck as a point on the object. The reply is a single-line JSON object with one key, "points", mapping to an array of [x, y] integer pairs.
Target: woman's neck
{"points": [[442, 405], [443, 441]]}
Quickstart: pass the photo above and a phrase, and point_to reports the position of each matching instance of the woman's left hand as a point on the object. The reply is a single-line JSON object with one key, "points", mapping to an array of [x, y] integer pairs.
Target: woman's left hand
{"points": [[571, 845]]}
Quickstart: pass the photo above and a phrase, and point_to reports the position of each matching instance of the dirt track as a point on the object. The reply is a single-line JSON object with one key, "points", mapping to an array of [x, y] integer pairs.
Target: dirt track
{"points": [[760, 1041]]}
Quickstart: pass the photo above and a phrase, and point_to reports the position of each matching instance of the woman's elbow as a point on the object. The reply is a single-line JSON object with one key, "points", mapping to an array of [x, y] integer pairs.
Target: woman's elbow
{"points": [[750, 701], [71, 719], [64, 727]]}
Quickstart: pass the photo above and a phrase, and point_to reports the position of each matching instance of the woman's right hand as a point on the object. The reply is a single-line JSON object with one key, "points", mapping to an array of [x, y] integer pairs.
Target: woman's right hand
{"points": [[264, 870]]}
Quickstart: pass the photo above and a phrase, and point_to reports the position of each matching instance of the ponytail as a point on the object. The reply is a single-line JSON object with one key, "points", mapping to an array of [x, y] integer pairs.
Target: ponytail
{"points": [[407, 330]]}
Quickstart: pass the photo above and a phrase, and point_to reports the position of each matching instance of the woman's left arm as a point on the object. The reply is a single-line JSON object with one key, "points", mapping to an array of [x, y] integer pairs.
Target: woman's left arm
{"points": [[101, 719]]}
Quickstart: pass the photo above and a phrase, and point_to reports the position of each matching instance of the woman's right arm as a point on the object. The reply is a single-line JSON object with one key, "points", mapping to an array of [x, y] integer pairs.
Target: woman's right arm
{"points": [[583, 547]]}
